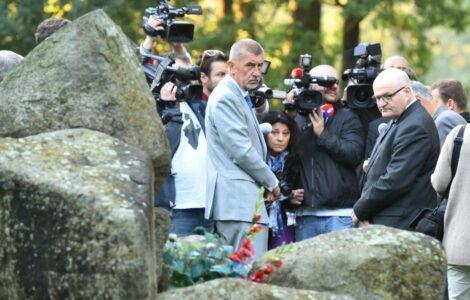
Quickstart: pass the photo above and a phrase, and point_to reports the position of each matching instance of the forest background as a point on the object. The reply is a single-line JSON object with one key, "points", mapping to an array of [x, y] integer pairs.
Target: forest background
{"points": [[434, 35]]}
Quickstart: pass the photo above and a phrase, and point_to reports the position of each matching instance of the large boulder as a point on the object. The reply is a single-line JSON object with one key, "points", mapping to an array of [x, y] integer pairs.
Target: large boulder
{"points": [[76, 218], [86, 75], [231, 289], [376, 262]]}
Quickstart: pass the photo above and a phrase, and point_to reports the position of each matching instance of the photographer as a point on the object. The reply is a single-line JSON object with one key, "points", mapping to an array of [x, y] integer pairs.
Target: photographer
{"points": [[332, 149]]}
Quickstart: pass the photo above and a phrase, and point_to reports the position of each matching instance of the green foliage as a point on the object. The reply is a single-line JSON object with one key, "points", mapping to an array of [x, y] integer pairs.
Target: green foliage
{"points": [[194, 263]]}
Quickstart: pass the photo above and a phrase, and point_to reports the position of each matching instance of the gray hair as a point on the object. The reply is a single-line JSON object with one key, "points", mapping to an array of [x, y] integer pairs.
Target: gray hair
{"points": [[8, 60], [422, 90], [240, 48]]}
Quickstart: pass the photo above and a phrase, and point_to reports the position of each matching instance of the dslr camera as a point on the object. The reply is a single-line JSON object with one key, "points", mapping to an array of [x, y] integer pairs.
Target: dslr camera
{"points": [[359, 92], [306, 100], [159, 74], [175, 31]]}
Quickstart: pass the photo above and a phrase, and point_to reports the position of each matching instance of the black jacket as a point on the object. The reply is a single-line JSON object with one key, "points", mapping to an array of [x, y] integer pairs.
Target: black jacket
{"points": [[328, 163], [398, 182]]}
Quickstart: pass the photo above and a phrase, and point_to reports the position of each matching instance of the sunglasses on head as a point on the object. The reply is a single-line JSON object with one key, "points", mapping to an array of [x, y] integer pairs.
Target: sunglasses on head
{"points": [[210, 53]]}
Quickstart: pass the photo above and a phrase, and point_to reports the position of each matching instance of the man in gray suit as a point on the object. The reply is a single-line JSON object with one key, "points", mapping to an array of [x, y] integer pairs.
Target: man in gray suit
{"points": [[236, 150], [397, 182], [444, 118]]}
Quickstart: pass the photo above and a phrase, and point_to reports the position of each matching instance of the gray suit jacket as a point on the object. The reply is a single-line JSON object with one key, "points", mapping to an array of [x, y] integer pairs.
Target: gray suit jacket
{"points": [[236, 155], [445, 121], [398, 182]]}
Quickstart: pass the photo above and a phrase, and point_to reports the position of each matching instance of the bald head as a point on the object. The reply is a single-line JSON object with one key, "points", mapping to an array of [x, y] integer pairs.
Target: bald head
{"points": [[323, 70], [396, 61], [392, 89], [393, 77], [243, 46], [330, 94], [8, 61]]}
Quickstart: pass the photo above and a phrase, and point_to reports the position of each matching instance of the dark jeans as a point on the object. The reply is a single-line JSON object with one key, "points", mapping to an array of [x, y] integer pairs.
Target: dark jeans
{"points": [[183, 221]]}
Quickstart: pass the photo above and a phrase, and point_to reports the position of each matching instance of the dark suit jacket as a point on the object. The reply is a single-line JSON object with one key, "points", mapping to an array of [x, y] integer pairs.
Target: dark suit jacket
{"points": [[398, 182]]}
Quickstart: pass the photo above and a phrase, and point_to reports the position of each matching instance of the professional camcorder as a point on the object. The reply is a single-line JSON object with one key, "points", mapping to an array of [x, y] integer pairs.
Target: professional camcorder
{"points": [[359, 92], [306, 100], [159, 74], [175, 31]]}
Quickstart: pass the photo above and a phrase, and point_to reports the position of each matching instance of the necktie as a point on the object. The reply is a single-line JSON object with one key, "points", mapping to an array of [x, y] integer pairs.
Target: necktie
{"points": [[248, 101]]}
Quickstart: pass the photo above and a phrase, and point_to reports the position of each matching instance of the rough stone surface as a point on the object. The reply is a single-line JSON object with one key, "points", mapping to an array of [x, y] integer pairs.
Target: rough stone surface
{"points": [[162, 229], [76, 218], [376, 262], [85, 76], [234, 289]]}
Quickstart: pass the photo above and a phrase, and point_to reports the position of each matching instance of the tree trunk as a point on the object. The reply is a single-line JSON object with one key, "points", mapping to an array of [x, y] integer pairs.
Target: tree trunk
{"points": [[351, 34], [228, 10], [306, 37]]}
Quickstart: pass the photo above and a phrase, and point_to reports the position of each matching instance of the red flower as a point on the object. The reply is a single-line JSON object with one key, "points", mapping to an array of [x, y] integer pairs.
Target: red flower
{"points": [[278, 263], [256, 218], [257, 276], [237, 256], [268, 269], [247, 252], [256, 228], [247, 244]]}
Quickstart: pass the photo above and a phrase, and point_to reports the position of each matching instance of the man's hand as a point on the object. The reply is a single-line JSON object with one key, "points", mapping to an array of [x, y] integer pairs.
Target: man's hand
{"points": [[273, 195], [365, 165], [156, 24], [318, 123], [297, 197], [168, 92], [290, 100], [357, 223]]}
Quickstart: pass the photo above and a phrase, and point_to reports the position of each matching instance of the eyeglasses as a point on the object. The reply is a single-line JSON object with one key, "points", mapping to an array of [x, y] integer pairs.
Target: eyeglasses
{"points": [[209, 53], [387, 98]]}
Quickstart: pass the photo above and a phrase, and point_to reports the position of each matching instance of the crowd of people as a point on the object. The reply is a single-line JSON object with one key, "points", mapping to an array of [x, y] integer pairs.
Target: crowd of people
{"points": [[319, 173]]}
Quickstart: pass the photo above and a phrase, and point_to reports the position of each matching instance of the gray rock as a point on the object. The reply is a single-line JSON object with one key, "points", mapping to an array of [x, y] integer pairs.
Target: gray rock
{"points": [[76, 218], [162, 229], [234, 289], [376, 262], [85, 76]]}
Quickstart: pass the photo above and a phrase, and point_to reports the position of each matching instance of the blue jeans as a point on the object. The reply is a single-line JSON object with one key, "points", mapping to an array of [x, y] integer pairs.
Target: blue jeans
{"points": [[310, 226], [183, 221]]}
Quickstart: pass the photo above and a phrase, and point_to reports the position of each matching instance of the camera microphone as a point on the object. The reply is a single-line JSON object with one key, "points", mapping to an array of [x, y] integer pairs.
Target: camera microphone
{"points": [[297, 73], [265, 128], [328, 112]]}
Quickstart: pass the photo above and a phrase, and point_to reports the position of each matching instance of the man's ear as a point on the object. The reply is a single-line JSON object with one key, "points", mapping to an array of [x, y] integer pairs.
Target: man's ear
{"points": [[204, 78], [451, 104], [230, 65]]}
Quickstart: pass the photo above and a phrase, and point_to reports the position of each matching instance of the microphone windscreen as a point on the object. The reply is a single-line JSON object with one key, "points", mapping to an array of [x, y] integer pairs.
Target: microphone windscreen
{"points": [[265, 128], [382, 128], [297, 73]]}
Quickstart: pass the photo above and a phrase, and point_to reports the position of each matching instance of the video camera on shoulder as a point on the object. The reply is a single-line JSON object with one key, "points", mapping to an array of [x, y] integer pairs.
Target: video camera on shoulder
{"points": [[175, 31], [159, 74], [359, 93], [306, 100]]}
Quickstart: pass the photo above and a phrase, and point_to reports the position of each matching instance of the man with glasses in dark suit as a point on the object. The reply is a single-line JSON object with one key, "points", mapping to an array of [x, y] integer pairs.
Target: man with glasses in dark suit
{"points": [[398, 183]]}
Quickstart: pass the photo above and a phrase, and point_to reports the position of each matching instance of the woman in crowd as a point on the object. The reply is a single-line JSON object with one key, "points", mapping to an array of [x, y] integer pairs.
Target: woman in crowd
{"points": [[456, 240], [283, 158]]}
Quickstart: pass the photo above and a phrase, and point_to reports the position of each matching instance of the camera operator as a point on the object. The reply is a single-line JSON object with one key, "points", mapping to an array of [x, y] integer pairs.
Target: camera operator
{"points": [[184, 189], [332, 149]]}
